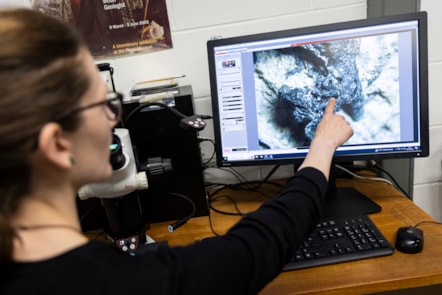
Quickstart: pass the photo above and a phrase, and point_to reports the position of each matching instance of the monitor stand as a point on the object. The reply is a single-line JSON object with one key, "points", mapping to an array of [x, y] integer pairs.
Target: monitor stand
{"points": [[346, 201]]}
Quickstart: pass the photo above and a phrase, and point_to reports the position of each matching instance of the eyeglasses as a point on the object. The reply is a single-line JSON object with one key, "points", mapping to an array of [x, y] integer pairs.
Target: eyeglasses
{"points": [[113, 103]]}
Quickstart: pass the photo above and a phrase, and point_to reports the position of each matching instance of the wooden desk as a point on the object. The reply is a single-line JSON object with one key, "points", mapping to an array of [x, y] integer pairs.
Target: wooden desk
{"points": [[377, 275]]}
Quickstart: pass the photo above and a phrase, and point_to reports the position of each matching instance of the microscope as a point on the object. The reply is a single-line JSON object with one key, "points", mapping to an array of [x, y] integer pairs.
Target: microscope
{"points": [[129, 202], [118, 194]]}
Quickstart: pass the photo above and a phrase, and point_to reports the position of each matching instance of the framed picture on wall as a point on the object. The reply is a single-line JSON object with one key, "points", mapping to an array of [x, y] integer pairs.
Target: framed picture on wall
{"points": [[114, 27]]}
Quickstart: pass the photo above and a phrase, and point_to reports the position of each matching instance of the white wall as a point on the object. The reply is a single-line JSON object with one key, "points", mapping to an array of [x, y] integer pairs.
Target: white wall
{"points": [[428, 171], [13, 3]]}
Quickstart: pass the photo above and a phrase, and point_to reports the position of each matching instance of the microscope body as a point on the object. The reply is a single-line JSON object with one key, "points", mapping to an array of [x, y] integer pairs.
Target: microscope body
{"points": [[170, 157], [124, 179], [118, 194]]}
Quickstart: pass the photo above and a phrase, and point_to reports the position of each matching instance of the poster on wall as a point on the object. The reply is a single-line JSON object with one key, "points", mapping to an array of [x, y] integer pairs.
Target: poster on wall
{"points": [[114, 27]]}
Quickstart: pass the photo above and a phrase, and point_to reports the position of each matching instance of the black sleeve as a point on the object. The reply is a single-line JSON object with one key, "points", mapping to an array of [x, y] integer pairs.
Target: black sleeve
{"points": [[254, 251], [243, 261]]}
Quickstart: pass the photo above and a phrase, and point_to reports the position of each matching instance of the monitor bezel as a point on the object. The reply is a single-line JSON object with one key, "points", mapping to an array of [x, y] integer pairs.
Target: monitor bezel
{"points": [[420, 17]]}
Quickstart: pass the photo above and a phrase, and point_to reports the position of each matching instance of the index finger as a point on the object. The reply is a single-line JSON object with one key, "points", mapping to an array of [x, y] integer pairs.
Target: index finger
{"points": [[329, 109]]}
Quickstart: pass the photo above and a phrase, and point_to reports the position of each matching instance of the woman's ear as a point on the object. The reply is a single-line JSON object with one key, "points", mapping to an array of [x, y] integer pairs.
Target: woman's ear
{"points": [[54, 145]]}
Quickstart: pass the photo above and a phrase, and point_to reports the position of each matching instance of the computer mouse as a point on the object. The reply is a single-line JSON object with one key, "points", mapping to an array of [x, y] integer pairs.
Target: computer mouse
{"points": [[409, 239]]}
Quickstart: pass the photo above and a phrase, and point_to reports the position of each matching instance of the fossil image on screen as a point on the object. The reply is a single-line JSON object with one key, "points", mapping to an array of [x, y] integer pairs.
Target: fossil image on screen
{"points": [[293, 86]]}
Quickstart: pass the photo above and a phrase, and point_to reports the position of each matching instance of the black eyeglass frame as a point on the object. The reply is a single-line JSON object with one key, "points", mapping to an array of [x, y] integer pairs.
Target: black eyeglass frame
{"points": [[111, 97]]}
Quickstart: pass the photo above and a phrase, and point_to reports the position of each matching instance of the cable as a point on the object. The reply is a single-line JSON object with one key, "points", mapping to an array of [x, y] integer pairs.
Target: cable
{"points": [[376, 168], [194, 122], [236, 186], [427, 222], [235, 204], [271, 172], [182, 221], [203, 139], [235, 173], [239, 176], [144, 105], [239, 186], [211, 227], [391, 177], [243, 181], [238, 213], [363, 177], [179, 223]]}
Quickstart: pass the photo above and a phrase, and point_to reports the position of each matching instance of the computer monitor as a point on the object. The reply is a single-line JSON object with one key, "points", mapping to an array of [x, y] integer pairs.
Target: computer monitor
{"points": [[269, 90]]}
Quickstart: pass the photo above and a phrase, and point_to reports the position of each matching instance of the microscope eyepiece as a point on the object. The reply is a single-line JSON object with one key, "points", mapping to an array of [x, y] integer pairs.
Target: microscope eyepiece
{"points": [[116, 157]]}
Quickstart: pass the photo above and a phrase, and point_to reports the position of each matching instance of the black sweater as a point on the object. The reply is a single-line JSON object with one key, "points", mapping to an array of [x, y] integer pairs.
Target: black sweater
{"points": [[243, 261]]}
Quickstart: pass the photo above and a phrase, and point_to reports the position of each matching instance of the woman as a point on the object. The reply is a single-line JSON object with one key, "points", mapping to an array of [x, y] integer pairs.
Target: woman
{"points": [[55, 128]]}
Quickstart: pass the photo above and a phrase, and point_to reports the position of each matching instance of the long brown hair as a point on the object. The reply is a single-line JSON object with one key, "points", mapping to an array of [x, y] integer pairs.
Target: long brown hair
{"points": [[41, 75]]}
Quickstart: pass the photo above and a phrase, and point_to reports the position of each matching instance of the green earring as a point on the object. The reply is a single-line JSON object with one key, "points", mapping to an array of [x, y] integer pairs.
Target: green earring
{"points": [[72, 161]]}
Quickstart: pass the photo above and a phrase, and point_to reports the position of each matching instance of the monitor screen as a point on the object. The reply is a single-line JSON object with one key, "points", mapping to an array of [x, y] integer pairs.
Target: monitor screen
{"points": [[269, 90]]}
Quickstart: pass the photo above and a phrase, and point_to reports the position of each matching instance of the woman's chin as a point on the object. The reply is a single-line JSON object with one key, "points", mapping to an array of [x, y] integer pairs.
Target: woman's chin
{"points": [[109, 171], [105, 175]]}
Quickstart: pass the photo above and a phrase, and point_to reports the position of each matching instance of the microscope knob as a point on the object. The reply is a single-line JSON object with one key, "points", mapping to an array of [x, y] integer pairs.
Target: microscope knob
{"points": [[141, 180]]}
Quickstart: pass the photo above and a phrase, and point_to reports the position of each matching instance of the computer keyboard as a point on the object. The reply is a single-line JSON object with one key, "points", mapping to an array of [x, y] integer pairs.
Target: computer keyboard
{"points": [[340, 239]]}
